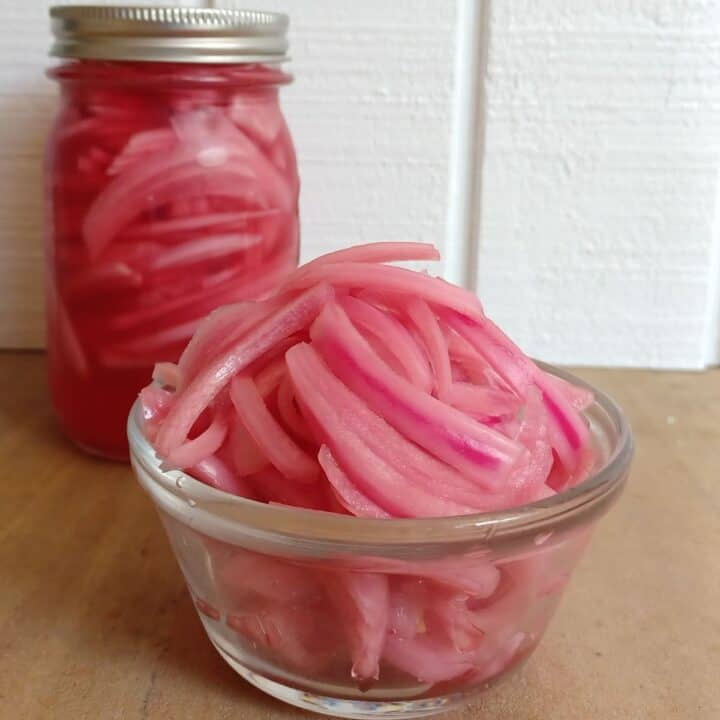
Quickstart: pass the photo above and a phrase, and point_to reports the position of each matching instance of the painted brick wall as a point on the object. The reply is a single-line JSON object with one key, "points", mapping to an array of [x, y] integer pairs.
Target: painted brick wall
{"points": [[598, 242], [583, 207]]}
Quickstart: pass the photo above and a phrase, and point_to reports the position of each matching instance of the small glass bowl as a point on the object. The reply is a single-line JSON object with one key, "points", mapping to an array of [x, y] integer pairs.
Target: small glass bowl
{"points": [[470, 597]]}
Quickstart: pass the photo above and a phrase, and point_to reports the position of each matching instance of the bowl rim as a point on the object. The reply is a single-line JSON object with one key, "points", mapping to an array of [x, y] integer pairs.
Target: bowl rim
{"points": [[187, 498]]}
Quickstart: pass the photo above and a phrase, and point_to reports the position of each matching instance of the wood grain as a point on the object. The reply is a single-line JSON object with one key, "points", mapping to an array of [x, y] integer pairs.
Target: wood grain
{"points": [[95, 621]]}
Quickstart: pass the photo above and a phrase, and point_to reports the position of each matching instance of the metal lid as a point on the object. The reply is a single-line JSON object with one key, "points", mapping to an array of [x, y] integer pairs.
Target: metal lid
{"points": [[168, 34]]}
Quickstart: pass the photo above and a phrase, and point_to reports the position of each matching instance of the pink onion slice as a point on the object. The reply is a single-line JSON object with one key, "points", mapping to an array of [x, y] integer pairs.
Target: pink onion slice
{"points": [[475, 575], [167, 231], [380, 252], [346, 491], [274, 488], [471, 447], [388, 279], [382, 439], [219, 329], [141, 146], [579, 397], [408, 599], [426, 659], [393, 491], [288, 411], [292, 318], [362, 601], [213, 471], [429, 329], [568, 431], [482, 401], [394, 337], [257, 116], [529, 475], [203, 249], [279, 448], [193, 452], [110, 277], [270, 376], [247, 457], [251, 579], [155, 404]]}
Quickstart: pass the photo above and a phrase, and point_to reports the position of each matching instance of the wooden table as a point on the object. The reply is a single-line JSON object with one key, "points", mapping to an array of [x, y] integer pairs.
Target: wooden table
{"points": [[95, 621]]}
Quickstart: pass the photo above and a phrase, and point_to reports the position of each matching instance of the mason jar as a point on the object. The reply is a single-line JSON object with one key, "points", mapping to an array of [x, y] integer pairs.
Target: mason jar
{"points": [[171, 188]]}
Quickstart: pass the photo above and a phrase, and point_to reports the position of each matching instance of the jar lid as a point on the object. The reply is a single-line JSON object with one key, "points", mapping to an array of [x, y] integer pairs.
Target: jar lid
{"points": [[168, 34]]}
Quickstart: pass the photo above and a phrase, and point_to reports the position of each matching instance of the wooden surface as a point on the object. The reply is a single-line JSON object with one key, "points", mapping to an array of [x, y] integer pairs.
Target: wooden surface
{"points": [[95, 622]]}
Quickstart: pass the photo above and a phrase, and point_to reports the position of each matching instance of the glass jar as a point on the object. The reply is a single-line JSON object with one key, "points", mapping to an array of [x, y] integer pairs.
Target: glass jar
{"points": [[366, 618], [172, 188]]}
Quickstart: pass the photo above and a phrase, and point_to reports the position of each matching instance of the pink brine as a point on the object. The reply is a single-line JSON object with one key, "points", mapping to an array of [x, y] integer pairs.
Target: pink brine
{"points": [[172, 189]]}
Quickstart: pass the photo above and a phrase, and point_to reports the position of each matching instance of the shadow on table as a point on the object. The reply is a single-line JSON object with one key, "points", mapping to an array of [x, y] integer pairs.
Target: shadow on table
{"points": [[27, 105], [87, 579], [96, 606], [25, 405], [189, 655]]}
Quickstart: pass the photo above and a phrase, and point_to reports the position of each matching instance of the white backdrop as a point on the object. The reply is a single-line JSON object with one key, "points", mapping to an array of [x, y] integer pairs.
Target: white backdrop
{"points": [[565, 155]]}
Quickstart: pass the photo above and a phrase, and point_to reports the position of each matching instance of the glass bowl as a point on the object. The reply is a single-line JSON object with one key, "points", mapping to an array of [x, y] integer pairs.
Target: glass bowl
{"points": [[289, 597]]}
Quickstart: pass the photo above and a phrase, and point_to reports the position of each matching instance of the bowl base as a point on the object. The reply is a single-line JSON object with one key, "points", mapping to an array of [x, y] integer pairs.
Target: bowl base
{"points": [[339, 707]]}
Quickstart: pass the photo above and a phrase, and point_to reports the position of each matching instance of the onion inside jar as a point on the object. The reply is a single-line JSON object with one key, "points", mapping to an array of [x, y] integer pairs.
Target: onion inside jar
{"points": [[172, 189]]}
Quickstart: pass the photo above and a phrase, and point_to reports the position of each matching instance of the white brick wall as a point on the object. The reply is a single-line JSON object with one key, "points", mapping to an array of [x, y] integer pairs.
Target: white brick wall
{"points": [[600, 179], [590, 171]]}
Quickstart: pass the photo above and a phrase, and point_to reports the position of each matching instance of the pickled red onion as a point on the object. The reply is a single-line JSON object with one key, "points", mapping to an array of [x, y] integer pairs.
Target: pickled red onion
{"points": [[382, 393]]}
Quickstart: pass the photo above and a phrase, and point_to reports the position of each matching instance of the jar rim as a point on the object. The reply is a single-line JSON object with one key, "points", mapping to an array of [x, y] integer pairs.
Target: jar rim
{"points": [[166, 75], [168, 34], [223, 515]]}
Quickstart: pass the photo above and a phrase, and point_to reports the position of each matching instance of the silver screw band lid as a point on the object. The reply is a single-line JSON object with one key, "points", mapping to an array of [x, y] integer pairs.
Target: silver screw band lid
{"points": [[168, 34]]}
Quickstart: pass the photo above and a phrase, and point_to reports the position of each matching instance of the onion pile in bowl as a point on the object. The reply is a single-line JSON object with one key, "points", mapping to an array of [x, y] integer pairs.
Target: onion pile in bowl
{"points": [[376, 391]]}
